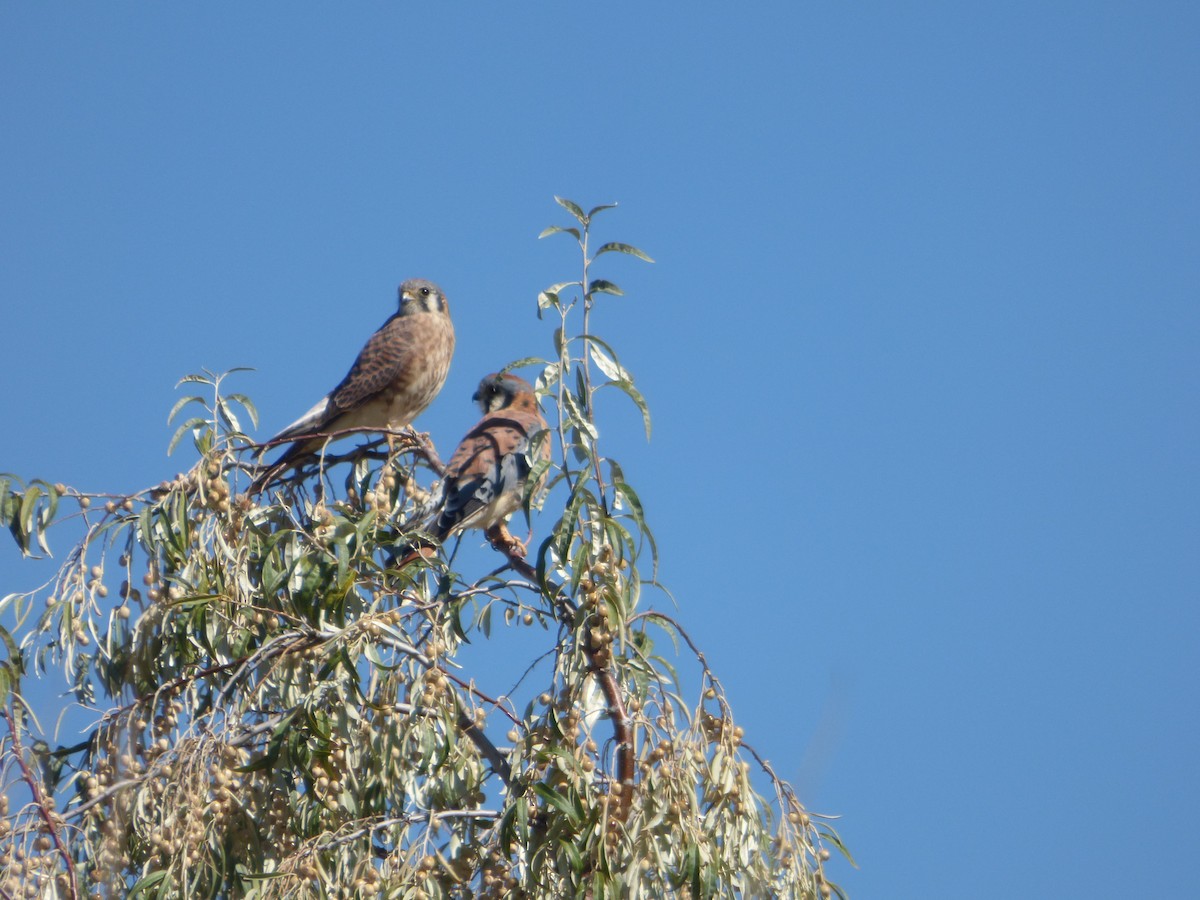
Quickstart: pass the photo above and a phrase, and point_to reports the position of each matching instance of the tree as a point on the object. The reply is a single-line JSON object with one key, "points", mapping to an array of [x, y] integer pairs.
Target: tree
{"points": [[282, 708]]}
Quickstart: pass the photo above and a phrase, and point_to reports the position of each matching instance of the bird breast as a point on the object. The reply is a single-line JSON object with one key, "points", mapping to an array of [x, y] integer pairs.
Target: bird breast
{"points": [[416, 386]]}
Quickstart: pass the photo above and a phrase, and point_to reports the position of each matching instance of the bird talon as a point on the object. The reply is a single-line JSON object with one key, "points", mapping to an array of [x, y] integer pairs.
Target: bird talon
{"points": [[503, 540]]}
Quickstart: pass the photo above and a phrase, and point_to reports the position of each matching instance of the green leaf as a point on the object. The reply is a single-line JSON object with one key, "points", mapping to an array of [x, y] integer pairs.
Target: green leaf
{"points": [[547, 379], [525, 361], [246, 404], [535, 476], [5, 494], [571, 207], [22, 525], [574, 858], [615, 472], [189, 425], [636, 396], [558, 229], [28, 504], [559, 802], [828, 834], [600, 286], [577, 417], [228, 416], [617, 247], [180, 404], [600, 208], [629, 495], [145, 530], [608, 365], [546, 300], [582, 396], [485, 621], [46, 516], [14, 652], [143, 886], [522, 819]]}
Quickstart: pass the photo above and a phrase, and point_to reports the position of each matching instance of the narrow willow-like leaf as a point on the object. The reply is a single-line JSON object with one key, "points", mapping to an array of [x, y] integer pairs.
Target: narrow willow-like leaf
{"points": [[608, 365], [636, 396], [577, 417], [51, 507], [28, 508], [558, 801], [5, 494], [547, 379], [151, 881], [618, 247], [601, 286], [189, 425], [558, 229], [247, 404], [228, 416], [600, 208], [635, 503], [525, 361], [180, 404], [573, 208], [827, 833], [14, 657]]}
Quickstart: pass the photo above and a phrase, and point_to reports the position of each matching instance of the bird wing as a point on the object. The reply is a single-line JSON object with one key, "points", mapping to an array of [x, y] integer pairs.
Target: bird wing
{"points": [[489, 464], [379, 363]]}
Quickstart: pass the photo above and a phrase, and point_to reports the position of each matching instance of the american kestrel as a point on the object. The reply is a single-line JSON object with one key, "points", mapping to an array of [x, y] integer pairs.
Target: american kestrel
{"points": [[486, 477], [397, 374]]}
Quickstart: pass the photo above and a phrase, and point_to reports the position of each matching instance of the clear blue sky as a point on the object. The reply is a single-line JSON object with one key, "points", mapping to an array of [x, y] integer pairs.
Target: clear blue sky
{"points": [[921, 342]]}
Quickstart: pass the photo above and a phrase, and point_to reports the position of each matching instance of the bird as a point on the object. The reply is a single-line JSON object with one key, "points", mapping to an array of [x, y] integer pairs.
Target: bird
{"points": [[397, 374], [487, 475]]}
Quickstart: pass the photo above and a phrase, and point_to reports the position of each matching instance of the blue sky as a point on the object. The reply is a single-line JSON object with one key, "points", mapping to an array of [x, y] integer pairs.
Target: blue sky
{"points": [[920, 341]]}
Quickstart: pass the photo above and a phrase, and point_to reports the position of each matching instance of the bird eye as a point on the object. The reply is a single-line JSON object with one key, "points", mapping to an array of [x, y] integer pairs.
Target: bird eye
{"points": [[424, 292]]}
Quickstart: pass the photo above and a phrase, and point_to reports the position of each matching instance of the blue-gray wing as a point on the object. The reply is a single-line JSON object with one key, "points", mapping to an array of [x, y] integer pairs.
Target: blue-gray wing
{"points": [[485, 478]]}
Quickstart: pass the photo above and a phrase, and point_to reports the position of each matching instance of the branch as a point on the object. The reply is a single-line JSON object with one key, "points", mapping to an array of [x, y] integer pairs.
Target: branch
{"points": [[419, 444], [613, 698], [39, 800], [473, 732]]}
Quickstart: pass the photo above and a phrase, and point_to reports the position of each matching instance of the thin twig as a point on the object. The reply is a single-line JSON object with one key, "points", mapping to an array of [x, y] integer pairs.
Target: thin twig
{"points": [[39, 800]]}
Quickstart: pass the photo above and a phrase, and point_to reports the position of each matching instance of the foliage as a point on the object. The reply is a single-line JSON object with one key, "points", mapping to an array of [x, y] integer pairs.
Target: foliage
{"points": [[279, 707]]}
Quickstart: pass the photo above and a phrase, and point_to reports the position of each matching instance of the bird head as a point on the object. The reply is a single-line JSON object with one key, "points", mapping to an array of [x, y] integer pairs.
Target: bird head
{"points": [[498, 390], [418, 295]]}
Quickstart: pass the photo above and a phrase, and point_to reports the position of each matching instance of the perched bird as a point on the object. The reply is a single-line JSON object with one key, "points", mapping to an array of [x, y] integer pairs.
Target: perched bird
{"points": [[486, 477], [397, 374]]}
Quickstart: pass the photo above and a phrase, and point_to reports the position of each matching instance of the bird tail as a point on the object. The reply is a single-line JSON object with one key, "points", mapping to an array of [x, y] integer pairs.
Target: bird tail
{"points": [[422, 538]]}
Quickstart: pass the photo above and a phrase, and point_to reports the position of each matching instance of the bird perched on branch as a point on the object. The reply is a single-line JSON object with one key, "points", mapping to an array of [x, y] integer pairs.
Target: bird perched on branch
{"points": [[486, 477], [397, 374]]}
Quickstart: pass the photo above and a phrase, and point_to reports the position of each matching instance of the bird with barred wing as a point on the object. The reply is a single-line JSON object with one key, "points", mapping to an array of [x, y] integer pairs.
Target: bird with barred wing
{"points": [[397, 374], [486, 477]]}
